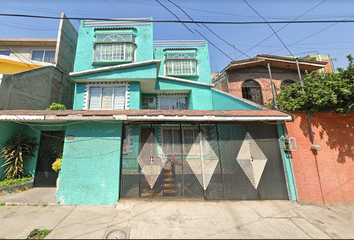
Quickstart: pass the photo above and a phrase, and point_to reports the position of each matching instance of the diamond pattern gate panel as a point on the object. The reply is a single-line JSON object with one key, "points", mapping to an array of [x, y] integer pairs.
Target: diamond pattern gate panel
{"points": [[215, 161]]}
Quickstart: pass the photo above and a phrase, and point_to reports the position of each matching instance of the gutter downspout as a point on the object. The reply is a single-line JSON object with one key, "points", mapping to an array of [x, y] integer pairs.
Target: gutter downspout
{"points": [[312, 137]]}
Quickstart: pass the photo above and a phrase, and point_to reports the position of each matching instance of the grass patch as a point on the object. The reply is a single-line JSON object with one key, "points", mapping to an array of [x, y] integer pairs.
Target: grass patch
{"points": [[38, 234], [2, 204], [9, 182]]}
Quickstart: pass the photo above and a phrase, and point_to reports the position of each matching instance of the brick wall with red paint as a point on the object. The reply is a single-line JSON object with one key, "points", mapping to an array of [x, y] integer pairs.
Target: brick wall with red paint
{"points": [[335, 134]]}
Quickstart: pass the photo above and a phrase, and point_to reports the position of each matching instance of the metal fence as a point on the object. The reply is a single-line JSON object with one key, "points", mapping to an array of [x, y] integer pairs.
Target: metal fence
{"points": [[213, 161]]}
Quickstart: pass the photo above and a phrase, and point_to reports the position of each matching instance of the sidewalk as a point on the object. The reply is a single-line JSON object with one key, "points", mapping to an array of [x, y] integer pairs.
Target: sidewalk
{"points": [[193, 219]]}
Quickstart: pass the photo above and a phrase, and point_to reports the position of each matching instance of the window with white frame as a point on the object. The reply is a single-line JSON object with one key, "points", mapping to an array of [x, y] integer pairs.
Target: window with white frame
{"points": [[43, 55], [173, 102], [148, 103], [107, 97], [181, 64], [171, 140], [114, 47]]}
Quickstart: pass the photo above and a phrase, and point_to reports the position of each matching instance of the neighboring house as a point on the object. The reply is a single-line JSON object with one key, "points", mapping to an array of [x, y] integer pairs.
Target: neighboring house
{"points": [[34, 73], [250, 78], [147, 122]]}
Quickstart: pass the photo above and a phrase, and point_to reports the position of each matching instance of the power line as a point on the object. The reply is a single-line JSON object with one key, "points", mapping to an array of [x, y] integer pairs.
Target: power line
{"points": [[210, 30], [284, 26], [175, 16], [181, 21], [269, 26]]}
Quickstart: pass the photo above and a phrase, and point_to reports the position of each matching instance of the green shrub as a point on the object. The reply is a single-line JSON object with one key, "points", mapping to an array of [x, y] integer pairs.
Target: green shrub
{"points": [[15, 152], [56, 106], [38, 234], [9, 182]]}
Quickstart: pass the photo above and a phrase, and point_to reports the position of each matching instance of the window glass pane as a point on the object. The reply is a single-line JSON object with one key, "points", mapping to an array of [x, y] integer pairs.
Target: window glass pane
{"points": [[114, 38], [145, 104], [95, 98], [173, 103], [49, 56], [164, 103], [129, 52], [176, 142], [167, 141], [37, 55], [107, 98], [119, 97], [7, 53], [183, 103], [152, 104]]}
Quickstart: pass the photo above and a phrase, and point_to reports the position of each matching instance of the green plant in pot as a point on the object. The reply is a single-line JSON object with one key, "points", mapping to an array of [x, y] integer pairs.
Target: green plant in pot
{"points": [[15, 152]]}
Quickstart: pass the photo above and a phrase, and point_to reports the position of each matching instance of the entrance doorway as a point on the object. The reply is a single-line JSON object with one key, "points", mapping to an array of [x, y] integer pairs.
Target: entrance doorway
{"points": [[45, 176]]}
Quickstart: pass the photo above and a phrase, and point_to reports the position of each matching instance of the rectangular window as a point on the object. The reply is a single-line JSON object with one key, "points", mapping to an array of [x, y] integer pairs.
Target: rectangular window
{"points": [[148, 103], [6, 53], [173, 103], [107, 98], [126, 139], [43, 56], [181, 64], [171, 141], [114, 47]]}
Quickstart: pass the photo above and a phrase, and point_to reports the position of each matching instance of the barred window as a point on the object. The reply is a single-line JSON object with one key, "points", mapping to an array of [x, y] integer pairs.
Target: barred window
{"points": [[114, 47], [181, 64], [286, 83], [252, 91]]}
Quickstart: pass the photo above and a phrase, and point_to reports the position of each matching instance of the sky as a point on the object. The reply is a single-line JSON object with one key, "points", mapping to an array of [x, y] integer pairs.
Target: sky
{"points": [[226, 42]]}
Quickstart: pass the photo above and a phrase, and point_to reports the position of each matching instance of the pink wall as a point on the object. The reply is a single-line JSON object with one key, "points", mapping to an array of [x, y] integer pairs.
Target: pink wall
{"points": [[335, 134]]}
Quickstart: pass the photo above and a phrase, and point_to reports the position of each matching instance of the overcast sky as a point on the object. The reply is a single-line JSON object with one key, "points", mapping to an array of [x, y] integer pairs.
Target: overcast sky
{"points": [[300, 39]]}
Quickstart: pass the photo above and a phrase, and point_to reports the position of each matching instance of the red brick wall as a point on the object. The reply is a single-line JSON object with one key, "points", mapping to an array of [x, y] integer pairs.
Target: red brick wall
{"points": [[260, 75], [335, 134]]}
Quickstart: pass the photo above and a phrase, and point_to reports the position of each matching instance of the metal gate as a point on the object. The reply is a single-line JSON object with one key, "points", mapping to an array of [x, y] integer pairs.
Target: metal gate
{"points": [[213, 161], [45, 176]]}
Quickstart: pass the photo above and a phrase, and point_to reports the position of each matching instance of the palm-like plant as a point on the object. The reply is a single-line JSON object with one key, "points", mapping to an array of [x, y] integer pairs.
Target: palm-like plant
{"points": [[15, 152]]}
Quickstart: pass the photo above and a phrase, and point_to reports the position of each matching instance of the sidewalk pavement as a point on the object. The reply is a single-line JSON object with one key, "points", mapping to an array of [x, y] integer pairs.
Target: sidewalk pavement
{"points": [[167, 218]]}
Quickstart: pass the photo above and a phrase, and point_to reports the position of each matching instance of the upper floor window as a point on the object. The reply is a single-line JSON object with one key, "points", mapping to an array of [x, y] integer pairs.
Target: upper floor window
{"points": [[114, 47], [107, 98], [181, 64], [6, 53], [252, 91], [148, 103], [43, 55], [173, 103], [286, 83]]}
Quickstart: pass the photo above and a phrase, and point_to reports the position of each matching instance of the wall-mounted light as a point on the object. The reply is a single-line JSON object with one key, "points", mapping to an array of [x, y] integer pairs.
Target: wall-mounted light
{"points": [[69, 137]]}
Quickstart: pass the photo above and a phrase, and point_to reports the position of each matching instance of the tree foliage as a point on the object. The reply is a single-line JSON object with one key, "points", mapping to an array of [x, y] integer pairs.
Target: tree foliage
{"points": [[323, 92]]}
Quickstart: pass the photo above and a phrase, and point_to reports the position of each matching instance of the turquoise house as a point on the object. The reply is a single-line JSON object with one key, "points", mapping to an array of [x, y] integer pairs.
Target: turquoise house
{"points": [[147, 122]]}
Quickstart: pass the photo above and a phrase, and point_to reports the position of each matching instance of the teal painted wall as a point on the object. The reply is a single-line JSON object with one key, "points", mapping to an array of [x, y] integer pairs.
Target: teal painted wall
{"points": [[134, 95], [199, 97], [80, 91], [288, 167], [203, 62], [225, 102], [86, 38], [91, 164]]}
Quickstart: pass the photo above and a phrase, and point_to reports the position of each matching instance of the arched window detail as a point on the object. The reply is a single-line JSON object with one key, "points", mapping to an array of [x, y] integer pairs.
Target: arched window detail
{"points": [[286, 83], [252, 91]]}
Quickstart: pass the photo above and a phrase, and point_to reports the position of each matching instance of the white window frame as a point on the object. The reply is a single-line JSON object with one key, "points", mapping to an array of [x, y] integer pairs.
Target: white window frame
{"points": [[148, 102], [107, 86], [41, 50], [172, 96], [114, 42], [180, 58]]}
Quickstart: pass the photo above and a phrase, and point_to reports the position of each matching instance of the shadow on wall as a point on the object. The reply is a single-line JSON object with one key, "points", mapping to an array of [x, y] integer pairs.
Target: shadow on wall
{"points": [[336, 130]]}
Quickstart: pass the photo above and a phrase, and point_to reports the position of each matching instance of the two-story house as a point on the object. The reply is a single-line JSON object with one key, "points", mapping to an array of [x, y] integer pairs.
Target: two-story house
{"points": [[147, 122]]}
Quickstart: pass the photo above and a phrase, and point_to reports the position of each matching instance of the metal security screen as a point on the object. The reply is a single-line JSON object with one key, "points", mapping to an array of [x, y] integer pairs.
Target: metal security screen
{"points": [[211, 161]]}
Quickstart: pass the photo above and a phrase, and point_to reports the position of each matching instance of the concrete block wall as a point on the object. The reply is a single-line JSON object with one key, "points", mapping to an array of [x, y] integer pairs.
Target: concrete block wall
{"points": [[335, 134]]}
